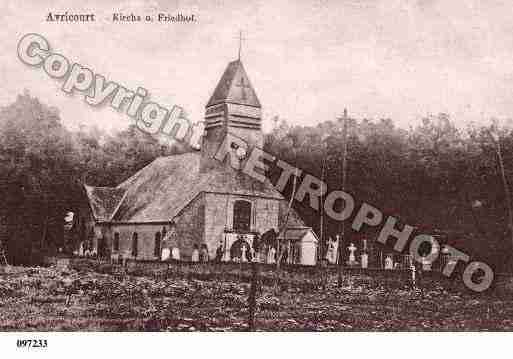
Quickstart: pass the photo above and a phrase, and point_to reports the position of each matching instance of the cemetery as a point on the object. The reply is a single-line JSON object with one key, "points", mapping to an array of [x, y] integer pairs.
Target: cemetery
{"points": [[156, 228]]}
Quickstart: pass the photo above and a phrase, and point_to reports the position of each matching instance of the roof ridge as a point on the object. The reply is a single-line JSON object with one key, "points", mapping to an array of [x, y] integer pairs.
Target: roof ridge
{"points": [[103, 201], [119, 204], [103, 187], [136, 173]]}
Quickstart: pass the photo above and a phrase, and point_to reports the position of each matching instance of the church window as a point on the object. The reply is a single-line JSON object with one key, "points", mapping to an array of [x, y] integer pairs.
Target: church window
{"points": [[134, 245], [156, 252], [115, 245], [242, 216]]}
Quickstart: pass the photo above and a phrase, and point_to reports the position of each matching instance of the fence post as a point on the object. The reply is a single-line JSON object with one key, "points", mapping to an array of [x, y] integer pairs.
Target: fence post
{"points": [[252, 295]]}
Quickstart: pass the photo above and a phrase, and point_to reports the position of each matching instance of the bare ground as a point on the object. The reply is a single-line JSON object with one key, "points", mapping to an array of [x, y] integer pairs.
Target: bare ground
{"points": [[46, 299]]}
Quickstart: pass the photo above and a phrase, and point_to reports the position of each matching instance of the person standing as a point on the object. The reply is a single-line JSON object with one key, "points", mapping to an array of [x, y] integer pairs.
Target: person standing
{"points": [[204, 256], [195, 254]]}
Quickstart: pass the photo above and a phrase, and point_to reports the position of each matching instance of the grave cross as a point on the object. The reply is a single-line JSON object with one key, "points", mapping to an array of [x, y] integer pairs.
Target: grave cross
{"points": [[413, 277], [240, 42]]}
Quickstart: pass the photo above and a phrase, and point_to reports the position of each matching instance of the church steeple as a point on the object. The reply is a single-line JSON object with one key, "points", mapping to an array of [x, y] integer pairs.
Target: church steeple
{"points": [[233, 107], [234, 87]]}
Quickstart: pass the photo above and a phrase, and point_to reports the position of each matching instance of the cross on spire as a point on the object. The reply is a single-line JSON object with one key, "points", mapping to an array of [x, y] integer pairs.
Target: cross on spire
{"points": [[240, 42]]}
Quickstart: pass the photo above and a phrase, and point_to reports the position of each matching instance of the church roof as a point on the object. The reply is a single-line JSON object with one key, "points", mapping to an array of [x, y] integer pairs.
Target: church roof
{"points": [[298, 233], [234, 87], [104, 201], [159, 191]]}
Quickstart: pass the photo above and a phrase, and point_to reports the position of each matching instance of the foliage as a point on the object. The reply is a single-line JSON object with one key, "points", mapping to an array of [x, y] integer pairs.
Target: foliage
{"points": [[432, 176], [43, 165]]}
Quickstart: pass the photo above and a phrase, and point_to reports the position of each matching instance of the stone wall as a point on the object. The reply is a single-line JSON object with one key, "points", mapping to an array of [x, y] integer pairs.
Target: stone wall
{"points": [[219, 216], [212, 139], [190, 230], [216, 217], [145, 239], [190, 227]]}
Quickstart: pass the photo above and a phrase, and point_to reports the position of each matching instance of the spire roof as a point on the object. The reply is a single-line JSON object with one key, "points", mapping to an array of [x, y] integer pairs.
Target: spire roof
{"points": [[234, 87]]}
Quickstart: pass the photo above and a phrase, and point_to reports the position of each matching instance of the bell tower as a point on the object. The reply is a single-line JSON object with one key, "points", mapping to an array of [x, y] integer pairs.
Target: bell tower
{"points": [[233, 108]]}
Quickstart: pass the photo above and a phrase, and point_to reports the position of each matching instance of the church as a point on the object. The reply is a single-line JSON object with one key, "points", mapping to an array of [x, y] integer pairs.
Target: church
{"points": [[182, 205]]}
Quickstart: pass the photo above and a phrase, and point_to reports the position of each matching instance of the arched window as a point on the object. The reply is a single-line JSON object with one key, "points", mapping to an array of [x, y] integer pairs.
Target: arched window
{"points": [[242, 216], [156, 251], [115, 244], [135, 249]]}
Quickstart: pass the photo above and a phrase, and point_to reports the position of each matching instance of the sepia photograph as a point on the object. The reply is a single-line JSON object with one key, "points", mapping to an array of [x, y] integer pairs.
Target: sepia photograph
{"points": [[274, 167]]}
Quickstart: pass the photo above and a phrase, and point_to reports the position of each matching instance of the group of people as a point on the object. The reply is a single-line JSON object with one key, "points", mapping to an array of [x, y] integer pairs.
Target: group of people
{"points": [[200, 254], [262, 249], [240, 251]]}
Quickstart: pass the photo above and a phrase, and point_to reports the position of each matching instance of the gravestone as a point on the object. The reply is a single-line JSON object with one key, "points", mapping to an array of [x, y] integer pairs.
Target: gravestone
{"points": [[175, 254], [352, 258], [413, 275], [195, 255], [166, 253], [331, 255], [226, 255], [389, 262], [243, 257], [365, 260]]}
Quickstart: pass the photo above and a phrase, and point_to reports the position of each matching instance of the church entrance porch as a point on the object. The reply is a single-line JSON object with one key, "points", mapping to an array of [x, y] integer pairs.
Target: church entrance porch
{"points": [[298, 247], [244, 247], [238, 247]]}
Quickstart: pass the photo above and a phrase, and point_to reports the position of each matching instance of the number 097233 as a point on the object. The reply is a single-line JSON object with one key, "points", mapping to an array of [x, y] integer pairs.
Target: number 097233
{"points": [[31, 343]]}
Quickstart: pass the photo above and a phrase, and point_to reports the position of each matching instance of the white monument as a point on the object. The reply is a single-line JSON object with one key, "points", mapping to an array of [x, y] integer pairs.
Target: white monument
{"points": [[166, 253], [175, 253], [195, 255], [389, 262], [335, 249], [352, 258], [331, 253], [226, 253], [365, 260], [243, 255]]}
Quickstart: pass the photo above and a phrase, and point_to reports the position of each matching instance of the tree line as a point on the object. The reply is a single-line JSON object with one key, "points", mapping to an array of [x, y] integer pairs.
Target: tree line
{"points": [[43, 166], [434, 175]]}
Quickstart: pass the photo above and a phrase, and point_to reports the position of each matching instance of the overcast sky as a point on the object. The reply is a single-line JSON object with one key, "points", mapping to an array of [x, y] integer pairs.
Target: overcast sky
{"points": [[306, 59]]}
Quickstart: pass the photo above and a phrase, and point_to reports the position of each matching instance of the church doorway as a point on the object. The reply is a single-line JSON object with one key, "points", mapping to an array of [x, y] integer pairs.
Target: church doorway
{"points": [[240, 251]]}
